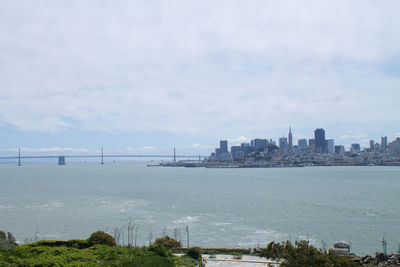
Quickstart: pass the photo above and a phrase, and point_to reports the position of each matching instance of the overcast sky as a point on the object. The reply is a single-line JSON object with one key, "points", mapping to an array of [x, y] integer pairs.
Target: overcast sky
{"points": [[150, 75]]}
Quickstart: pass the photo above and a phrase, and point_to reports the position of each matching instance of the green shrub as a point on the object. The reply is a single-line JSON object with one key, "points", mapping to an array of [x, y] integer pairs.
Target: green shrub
{"points": [[194, 253], [168, 242], [101, 238], [303, 254], [160, 250], [78, 243]]}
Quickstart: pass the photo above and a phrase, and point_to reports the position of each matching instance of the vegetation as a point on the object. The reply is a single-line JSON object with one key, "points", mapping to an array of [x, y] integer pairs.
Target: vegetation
{"points": [[168, 242], [101, 238], [237, 256], [303, 254], [194, 253], [98, 250]]}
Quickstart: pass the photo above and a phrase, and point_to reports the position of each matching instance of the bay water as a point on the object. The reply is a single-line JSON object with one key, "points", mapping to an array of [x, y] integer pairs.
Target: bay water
{"points": [[222, 207]]}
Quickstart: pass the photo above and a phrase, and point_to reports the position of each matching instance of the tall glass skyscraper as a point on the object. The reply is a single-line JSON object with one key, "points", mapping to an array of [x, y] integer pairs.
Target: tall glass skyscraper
{"points": [[320, 142]]}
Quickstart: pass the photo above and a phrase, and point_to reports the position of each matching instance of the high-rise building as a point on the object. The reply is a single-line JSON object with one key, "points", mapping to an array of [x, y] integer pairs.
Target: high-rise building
{"points": [[246, 148], [371, 144], [330, 146], [223, 146], [320, 142], [339, 150], [290, 137], [260, 144], [311, 144], [283, 144], [384, 142], [377, 146], [302, 145], [355, 147], [237, 152]]}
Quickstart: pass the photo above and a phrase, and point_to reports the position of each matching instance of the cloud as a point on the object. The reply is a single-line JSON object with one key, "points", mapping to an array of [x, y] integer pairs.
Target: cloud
{"points": [[183, 67], [147, 148], [51, 149], [239, 140], [358, 136]]}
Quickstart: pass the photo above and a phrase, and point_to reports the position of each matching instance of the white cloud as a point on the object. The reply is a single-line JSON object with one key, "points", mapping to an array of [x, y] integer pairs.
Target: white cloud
{"points": [[239, 140], [358, 136], [147, 148], [238, 69], [51, 149]]}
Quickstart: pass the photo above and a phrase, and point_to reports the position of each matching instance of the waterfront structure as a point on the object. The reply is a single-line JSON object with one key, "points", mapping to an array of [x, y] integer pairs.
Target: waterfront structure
{"points": [[330, 146], [290, 137], [61, 160], [328, 154], [384, 143], [320, 142]]}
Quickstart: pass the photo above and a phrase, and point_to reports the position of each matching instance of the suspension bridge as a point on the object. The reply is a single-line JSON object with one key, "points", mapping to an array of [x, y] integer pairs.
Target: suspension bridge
{"points": [[62, 158]]}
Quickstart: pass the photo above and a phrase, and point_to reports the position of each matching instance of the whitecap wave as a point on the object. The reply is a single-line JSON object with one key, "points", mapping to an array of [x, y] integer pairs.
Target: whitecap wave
{"points": [[187, 219]]}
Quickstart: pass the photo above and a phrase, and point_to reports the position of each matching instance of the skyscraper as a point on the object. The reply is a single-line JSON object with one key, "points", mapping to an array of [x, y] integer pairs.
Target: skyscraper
{"points": [[223, 146], [290, 137], [302, 145], [371, 144], [260, 144], [384, 142], [355, 148], [320, 142], [283, 144], [331, 146]]}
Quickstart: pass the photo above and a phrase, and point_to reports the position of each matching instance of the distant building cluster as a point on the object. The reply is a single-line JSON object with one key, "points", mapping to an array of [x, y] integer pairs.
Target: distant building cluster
{"points": [[315, 151]]}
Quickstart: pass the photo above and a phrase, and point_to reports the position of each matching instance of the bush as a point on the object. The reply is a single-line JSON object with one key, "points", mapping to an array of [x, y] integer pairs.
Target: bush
{"points": [[168, 242], [74, 243], [303, 254], [101, 238], [160, 250], [194, 253]]}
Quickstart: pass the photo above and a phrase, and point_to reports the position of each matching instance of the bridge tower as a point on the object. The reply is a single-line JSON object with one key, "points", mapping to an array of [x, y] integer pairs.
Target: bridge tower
{"points": [[174, 155], [19, 156], [102, 156]]}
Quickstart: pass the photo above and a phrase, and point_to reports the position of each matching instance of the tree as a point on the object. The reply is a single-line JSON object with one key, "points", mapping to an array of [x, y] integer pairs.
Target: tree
{"points": [[101, 238], [304, 254], [194, 253], [168, 242]]}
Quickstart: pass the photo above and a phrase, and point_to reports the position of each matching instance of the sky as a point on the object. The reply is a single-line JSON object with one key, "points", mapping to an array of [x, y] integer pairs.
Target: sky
{"points": [[147, 76]]}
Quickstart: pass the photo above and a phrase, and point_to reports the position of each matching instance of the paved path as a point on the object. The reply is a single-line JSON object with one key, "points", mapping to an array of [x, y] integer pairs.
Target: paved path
{"points": [[245, 261]]}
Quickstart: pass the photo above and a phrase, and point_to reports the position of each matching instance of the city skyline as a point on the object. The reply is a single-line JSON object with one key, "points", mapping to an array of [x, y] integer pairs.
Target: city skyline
{"points": [[197, 149], [186, 75]]}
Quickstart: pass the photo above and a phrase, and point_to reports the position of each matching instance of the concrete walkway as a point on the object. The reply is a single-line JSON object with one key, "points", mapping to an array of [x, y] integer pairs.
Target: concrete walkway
{"points": [[245, 261]]}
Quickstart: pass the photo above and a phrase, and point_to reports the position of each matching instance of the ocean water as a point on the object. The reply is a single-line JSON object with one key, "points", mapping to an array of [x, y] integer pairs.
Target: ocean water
{"points": [[222, 207]]}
